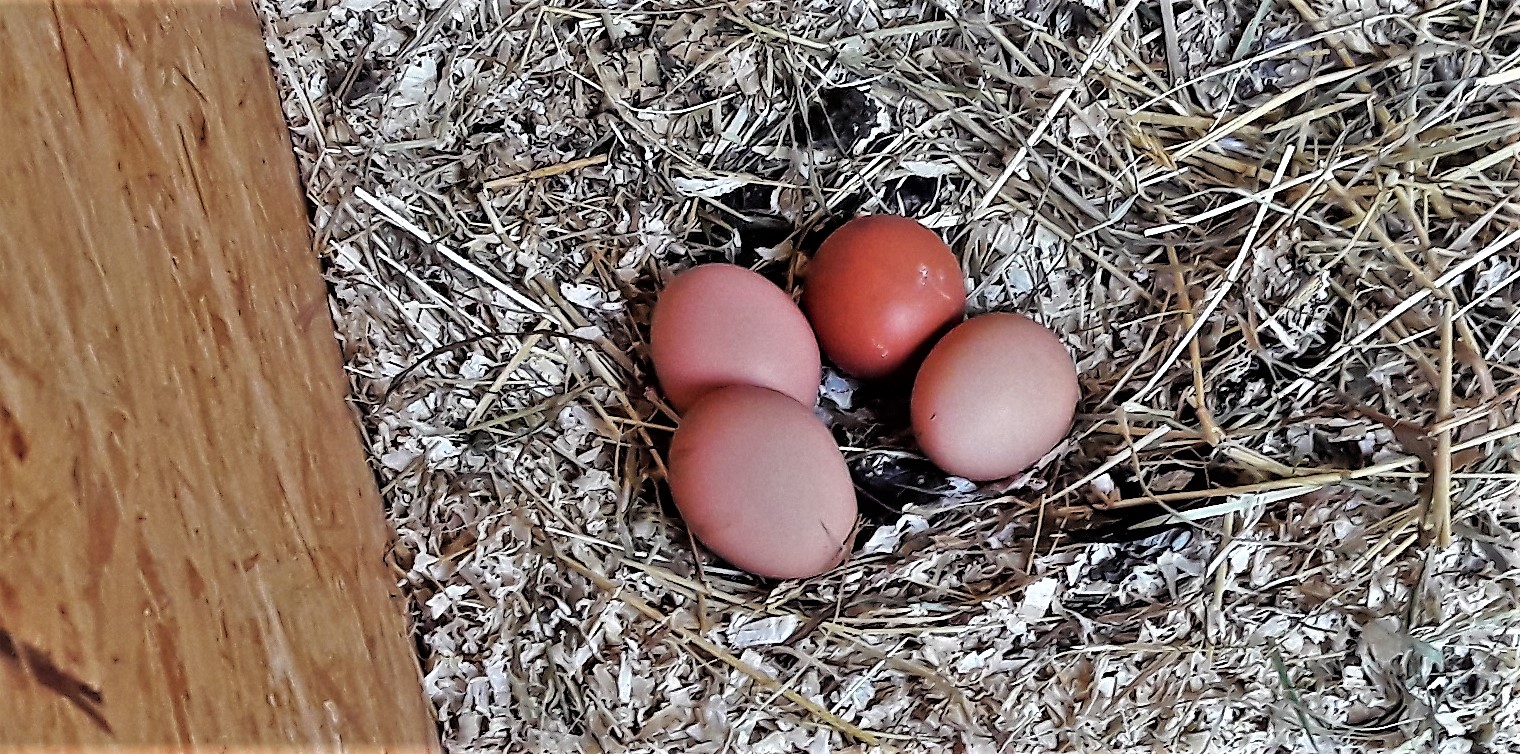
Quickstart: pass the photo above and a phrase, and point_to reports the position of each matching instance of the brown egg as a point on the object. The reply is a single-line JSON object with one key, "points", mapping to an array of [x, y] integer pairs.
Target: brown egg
{"points": [[996, 393], [760, 481], [721, 324], [879, 291]]}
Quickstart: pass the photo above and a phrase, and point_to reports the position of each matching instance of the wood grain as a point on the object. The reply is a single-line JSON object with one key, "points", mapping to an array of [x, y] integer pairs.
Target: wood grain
{"points": [[191, 543]]}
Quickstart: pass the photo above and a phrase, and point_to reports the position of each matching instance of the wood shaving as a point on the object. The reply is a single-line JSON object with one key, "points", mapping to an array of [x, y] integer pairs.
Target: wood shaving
{"points": [[1238, 548]]}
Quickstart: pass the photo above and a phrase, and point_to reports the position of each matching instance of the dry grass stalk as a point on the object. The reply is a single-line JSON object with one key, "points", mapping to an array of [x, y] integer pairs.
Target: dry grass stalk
{"points": [[499, 189]]}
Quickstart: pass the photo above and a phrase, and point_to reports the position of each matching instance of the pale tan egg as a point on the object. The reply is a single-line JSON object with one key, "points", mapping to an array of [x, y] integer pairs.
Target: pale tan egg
{"points": [[722, 324], [994, 395], [760, 481]]}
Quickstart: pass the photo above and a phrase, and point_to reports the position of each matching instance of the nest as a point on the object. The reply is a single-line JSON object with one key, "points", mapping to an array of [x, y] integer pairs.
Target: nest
{"points": [[1279, 238]]}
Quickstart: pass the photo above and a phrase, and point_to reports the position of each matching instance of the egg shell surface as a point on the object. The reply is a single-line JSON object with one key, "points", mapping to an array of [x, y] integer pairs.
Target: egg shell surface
{"points": [[722, 324], [993, 396], [879, 291], [760, 481]]}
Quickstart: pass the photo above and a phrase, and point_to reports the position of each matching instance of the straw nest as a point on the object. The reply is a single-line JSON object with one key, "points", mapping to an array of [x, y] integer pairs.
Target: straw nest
{"points": [[1279, 237]]}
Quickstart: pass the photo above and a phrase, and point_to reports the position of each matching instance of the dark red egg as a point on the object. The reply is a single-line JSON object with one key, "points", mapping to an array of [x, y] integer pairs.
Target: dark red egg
{"points": [[879, 291]]}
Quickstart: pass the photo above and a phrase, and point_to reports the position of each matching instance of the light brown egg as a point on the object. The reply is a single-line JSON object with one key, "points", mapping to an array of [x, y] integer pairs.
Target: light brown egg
{"points": [[760, 481], [993, 396], [879, 291], [721, 324]]}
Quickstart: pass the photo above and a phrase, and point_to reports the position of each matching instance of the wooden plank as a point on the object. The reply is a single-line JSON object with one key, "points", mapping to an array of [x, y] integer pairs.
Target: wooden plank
{"points": [[191, 543]]}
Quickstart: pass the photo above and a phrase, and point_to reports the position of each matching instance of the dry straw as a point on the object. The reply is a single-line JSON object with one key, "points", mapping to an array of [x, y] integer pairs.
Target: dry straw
{"points": [[1280, 238]]}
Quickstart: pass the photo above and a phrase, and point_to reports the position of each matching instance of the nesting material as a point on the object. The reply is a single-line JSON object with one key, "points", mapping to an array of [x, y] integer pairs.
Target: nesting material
{"points": [[1279, 238]]}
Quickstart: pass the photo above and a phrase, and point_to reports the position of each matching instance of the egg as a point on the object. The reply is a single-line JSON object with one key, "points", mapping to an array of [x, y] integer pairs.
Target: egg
{"points": [[994, 395], [760, 481], [879, 291], [722, 324]]}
